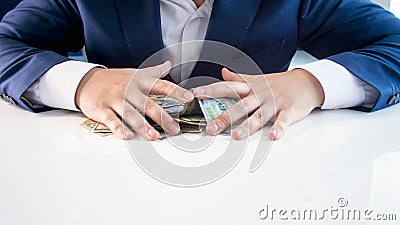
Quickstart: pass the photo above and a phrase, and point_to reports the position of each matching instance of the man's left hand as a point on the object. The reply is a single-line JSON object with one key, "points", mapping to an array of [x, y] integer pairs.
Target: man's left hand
{"points": [[288, 97]]}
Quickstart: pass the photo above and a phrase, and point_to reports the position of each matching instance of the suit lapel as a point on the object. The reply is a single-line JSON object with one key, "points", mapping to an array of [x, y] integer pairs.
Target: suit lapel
{"points": [[229, 23], [141, 23]]}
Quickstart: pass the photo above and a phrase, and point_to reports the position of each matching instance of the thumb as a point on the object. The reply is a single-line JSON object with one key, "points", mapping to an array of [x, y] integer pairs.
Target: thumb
{"points": [[227, 75], [158, 71]]}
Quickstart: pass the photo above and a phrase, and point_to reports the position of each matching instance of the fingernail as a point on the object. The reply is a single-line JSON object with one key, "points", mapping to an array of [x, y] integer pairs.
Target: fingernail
{"points": [[128, 134], [213, 128], [173, 129], [200, 91], [153, 133], [188, 95], [238, 132], [274, 134]]}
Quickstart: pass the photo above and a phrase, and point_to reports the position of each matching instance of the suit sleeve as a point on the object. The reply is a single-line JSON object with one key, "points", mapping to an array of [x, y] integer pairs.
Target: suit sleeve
{"points": [[359, 35], [34, 37]]}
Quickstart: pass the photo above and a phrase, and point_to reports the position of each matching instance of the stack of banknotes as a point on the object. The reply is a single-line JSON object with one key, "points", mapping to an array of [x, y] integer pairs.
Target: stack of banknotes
{"points": [[192, 117]]}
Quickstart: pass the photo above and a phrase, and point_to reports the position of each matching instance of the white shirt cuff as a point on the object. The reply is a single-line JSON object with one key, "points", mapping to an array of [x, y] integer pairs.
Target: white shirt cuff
{"points": [[58, 86], [342, 89]]}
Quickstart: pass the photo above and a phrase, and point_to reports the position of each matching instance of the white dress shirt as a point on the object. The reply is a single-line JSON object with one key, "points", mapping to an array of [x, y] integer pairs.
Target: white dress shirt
{"points": [[182, 21]]}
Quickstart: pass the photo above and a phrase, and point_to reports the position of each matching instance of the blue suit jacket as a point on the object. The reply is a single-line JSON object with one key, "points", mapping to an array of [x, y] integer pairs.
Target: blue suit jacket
{"points": [[357, 34]]}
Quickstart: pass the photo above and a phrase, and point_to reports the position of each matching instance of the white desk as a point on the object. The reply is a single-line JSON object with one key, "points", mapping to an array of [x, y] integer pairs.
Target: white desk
{"points": [[54, 172]]}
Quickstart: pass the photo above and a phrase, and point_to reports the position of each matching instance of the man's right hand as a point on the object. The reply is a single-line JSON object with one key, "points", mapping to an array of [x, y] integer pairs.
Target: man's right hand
{"points": [[107, 95]]}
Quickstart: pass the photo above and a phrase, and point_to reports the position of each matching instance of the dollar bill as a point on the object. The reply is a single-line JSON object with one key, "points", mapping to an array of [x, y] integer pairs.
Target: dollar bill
{"points": [[186, 125], [176, 107], [192, 120], [213, 108], [96, 128], [192, 117]]}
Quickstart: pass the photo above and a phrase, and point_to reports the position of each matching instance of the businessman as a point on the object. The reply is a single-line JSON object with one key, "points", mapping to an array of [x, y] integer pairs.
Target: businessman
{"points": [[357, 44]]}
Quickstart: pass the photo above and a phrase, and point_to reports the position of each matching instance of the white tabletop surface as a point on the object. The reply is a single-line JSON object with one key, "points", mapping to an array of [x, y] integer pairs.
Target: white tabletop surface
{"points": [[54, 172]]}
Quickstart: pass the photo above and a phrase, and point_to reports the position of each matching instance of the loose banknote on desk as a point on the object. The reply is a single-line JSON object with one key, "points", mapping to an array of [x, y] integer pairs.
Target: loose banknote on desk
{"points": [[192, 117]]}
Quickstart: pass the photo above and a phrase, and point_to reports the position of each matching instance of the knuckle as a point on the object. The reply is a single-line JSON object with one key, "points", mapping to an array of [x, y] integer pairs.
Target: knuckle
{"points": [[129, 114], [210, 90], [114, 92], [258, 116], [151, 111], [256, 121], [164, 85], [282, 102], [166, 123], [233, 91], [119, 128], [223, 119], [149, 106], [178, 91], [259, 119], [155, 112], [99, 106], [112, 122], [135, 123], [229, 90], [246, 104], [118, 91]]}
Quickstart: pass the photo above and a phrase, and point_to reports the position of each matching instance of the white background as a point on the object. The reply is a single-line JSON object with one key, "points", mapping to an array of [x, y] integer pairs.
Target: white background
{"points": [[395, 7]]}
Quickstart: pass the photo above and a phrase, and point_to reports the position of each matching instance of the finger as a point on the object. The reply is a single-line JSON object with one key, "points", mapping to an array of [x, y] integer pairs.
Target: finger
{"points": [[222, 89], [232, 115], [156, 113], [139, 123], [253, 81], [158, 71], [282, 123], [161, 117], [163, 87], [254, 123], [136, 121], [228, 75], [110, 119]]}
